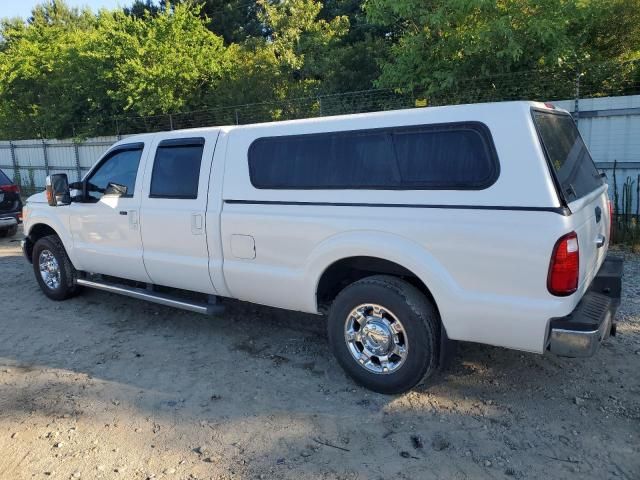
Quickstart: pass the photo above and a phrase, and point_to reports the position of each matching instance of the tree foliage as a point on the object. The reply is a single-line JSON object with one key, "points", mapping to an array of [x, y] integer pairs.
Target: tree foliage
{"points": [[444, 43], [159, 63], [67, 71], [43, 76]]}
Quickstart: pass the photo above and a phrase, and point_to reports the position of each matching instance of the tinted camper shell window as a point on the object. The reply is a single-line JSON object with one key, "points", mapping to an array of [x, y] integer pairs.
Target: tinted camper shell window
{"points": [[456, 156]]}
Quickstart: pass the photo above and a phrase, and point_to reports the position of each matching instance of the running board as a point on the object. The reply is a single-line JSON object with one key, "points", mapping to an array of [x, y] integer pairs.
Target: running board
{"points": [[155, 297]]}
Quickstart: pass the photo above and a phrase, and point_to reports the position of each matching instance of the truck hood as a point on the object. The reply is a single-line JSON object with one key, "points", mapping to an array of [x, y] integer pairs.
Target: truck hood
{"points": [[37, 198]]}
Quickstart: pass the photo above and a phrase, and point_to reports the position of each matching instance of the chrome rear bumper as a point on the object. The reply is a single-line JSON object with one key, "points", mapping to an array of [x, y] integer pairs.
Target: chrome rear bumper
{"points": [[580, 333]]}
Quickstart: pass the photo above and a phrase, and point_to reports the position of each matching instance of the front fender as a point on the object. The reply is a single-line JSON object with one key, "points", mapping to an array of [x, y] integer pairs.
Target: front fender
{"points": [[387, 246], [57, 224]]}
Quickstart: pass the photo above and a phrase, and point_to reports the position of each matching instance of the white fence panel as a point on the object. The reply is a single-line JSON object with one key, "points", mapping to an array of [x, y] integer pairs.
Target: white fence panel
{"points": [[29, 161]]}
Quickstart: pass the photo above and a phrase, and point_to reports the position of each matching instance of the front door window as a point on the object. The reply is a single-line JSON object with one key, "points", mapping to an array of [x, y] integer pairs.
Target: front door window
{"points": [[121, 168]]}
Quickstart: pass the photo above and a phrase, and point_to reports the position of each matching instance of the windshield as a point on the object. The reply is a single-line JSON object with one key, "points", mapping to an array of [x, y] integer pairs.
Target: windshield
{"points": [[570, 160]]}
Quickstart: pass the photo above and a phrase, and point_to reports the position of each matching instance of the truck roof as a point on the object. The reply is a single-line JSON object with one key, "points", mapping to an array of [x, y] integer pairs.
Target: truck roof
{"points": [[459, 109]]}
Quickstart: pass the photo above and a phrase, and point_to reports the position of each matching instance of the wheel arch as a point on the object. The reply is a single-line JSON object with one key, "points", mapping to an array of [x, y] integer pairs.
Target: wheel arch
{"points": [[42, 227], [345, 271], [385, 253]]}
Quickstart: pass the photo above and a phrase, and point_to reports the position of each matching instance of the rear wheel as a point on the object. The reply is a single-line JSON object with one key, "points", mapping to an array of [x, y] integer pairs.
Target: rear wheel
{"points": [[53, 269], [384, 333]]}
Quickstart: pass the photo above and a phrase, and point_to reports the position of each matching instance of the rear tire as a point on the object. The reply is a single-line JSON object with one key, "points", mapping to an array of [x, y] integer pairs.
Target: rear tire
{"points": [[384, 333], [53, 270]]}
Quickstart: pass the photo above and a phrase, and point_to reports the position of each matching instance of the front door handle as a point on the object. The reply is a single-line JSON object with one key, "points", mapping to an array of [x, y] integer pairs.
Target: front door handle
{"points": [[600, 241]]}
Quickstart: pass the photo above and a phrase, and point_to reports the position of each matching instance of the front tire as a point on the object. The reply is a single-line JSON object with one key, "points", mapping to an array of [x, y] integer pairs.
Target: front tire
{"points": [[53, 269], [384, 333]]}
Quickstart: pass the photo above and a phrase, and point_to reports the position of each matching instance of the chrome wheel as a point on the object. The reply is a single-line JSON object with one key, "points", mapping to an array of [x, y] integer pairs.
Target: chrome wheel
{"points": [[376, 338], [49, 269]]}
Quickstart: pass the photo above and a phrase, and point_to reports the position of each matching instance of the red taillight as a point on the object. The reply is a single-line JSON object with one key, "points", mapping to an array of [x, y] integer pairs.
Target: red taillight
{"points": [[565, 266], [10, 188]]}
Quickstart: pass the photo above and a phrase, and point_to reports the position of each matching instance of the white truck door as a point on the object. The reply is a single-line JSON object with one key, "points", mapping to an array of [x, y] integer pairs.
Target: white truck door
{"points": [[173, 211], [105, 227]]}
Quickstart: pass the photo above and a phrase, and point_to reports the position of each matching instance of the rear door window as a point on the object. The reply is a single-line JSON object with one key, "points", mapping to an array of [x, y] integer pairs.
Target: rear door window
{"points": [[176, 169], [568, 156]]}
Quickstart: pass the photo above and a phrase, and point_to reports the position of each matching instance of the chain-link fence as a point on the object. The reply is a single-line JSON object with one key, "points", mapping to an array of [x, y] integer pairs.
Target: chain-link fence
{"points": [[285, 109], [541, 84]]}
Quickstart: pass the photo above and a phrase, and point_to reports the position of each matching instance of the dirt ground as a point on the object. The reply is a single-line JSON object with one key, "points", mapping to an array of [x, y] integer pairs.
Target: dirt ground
{"points": [[108, 387]]}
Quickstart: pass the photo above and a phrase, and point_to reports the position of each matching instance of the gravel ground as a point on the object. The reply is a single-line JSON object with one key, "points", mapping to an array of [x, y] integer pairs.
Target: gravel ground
{"points": [[108, 387]]}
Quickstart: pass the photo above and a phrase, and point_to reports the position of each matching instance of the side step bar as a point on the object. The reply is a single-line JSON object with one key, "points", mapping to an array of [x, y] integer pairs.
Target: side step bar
{"points": [[155, 297]]}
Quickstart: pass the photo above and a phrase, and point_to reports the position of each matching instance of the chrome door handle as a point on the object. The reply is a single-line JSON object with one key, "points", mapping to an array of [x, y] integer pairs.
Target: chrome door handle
{"points": [[600, 241]]}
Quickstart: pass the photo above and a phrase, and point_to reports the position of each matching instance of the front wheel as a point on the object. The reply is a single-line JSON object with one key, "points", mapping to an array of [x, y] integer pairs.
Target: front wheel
{"points": [[384, 333], [53, 269]]}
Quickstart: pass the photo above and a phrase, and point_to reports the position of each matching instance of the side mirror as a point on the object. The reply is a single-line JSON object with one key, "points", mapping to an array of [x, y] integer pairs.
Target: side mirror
{"points": [[57, 190], [116, 190]]}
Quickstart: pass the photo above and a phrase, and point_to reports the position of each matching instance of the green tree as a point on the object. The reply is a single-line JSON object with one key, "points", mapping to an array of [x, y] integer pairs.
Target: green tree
{"points": [[140, 7], [446, 44], [234, 20], [44, 87], [354, 61], [289, 63], [69, 72], [159, 63]]}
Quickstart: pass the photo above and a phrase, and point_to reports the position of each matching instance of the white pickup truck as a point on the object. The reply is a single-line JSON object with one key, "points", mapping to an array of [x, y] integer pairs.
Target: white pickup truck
{"points": [[486, 223]]}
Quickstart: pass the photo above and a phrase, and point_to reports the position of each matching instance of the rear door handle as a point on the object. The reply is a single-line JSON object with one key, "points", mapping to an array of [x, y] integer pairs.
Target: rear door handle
{"points": [[600, 241]]}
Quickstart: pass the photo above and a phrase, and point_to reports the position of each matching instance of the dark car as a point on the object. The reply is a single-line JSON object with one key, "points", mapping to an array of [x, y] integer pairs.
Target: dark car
{"points": [[10, 206]]}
